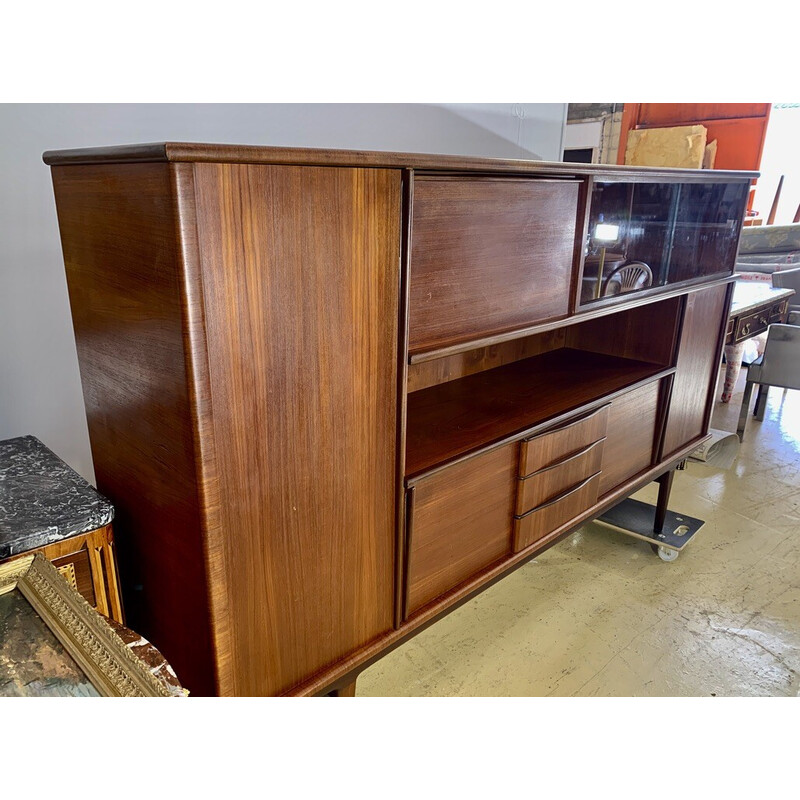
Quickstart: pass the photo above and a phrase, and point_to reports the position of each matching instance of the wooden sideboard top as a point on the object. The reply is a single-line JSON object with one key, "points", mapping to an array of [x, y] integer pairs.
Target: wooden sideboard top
{"points": [[258, 154]]}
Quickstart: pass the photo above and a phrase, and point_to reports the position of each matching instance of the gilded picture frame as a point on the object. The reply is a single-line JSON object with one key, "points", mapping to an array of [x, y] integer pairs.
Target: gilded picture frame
{"points": [[108, 663]]}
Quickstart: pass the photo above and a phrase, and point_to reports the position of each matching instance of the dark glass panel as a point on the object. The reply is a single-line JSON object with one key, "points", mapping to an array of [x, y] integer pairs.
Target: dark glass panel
{"points": [[643, 235]]}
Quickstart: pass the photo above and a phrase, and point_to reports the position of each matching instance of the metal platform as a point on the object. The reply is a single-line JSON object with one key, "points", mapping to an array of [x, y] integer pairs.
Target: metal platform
{"points": [[637, 519]]}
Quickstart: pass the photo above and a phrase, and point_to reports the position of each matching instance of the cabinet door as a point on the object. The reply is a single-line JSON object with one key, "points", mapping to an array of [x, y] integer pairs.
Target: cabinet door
{"points": [[630, 436], [460, 522], [300, 297], [488, 255], [698, 361]]}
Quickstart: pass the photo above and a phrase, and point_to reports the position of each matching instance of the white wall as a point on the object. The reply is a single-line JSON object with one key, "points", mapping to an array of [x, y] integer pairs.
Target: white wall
{"points": [[781, 157], [40, 390]]}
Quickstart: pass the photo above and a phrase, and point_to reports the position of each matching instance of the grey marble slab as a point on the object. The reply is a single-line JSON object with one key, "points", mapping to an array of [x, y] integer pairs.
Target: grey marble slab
{"points": [[42, 500]]}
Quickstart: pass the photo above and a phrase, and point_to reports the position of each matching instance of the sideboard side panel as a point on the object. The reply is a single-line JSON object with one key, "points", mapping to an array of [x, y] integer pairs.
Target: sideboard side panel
{"points": [[122, 257], [301, 289], [697, 365]]}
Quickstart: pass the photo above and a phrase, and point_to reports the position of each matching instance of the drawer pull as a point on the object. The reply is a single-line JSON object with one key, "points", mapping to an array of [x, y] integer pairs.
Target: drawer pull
{"points": [[571, 424], [561, 497], [565, 461], [541, 486], [552, 446], [544, 520]]}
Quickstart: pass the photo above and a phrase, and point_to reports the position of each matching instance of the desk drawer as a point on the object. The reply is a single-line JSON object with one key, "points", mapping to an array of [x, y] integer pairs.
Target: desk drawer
{"points": [[751, 325], [553, 446], [544, 519], [778, 311], [552, 481]]}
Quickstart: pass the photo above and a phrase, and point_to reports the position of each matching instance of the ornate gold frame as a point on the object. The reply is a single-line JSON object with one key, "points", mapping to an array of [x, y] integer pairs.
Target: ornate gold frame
{"points": [[110, 666]]}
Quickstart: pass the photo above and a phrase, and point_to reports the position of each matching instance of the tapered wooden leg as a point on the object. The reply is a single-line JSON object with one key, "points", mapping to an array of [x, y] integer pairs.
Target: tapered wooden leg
{"points": [[748, 393], [345, 691], [664, 489]]}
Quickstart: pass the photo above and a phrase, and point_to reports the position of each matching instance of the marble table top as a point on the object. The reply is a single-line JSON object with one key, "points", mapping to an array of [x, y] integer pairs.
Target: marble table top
{"points": [[749, 295], [42, 500]]}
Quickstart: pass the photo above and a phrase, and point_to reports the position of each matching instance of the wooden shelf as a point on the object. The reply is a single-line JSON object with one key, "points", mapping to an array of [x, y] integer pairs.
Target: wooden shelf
{"points": [[455, 418]]}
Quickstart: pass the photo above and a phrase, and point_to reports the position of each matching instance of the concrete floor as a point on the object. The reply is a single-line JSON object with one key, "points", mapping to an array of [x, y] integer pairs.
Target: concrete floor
{"points": [[600, 614]]}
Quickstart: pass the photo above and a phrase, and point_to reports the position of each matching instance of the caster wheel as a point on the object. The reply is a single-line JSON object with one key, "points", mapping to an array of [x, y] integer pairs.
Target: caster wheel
{"points": [[665, 553]]}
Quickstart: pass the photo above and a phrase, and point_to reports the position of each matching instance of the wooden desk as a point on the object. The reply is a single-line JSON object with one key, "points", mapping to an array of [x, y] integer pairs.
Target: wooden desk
{"points": [[755, 306]]}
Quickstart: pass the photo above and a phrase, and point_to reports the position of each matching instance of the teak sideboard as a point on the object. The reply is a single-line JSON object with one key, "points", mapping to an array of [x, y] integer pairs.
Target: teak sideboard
{"points": [[333, 395]]}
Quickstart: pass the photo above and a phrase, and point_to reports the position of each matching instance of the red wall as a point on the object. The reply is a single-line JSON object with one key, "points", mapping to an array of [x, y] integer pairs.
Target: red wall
{"points": [[739, 128]]}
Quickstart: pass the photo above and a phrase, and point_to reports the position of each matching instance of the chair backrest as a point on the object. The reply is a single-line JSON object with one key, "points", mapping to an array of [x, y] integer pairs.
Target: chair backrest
{"points": [[788, 279], [627, 278], [780, 365]]}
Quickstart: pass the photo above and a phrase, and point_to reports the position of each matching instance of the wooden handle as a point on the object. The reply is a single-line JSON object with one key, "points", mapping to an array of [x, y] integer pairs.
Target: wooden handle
{"points": [[569, 424], [562, 496]]}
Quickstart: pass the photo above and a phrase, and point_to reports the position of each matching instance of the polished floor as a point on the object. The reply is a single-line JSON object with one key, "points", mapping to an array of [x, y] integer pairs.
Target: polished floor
{"points": [[600, 615]]}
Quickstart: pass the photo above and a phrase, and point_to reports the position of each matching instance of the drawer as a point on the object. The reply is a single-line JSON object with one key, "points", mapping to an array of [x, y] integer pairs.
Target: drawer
{"points": [[751, 325], [777, 312], [547, 518], [552, 481], [488, 255], [553, 446]]}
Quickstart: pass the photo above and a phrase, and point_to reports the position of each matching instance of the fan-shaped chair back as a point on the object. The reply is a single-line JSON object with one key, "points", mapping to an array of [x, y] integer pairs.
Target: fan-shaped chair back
{"points": [[627, 278]]}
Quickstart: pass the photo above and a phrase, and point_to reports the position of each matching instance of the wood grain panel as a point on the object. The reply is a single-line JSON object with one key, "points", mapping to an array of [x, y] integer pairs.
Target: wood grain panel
{"points": [[449, 368], [488, 256], [461, 523], [119, 234], [553, 446], [539, 522], [624, 333], [630, 435], [301, 282], [550, 482], [698, 360]]}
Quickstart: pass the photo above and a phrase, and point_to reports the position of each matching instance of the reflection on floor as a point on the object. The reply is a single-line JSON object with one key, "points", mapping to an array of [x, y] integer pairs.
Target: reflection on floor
{"points": [[600, 614]]}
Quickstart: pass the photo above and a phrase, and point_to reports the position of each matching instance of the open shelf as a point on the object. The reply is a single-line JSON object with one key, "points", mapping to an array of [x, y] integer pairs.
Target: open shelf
{"points": [[454, 418]]}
